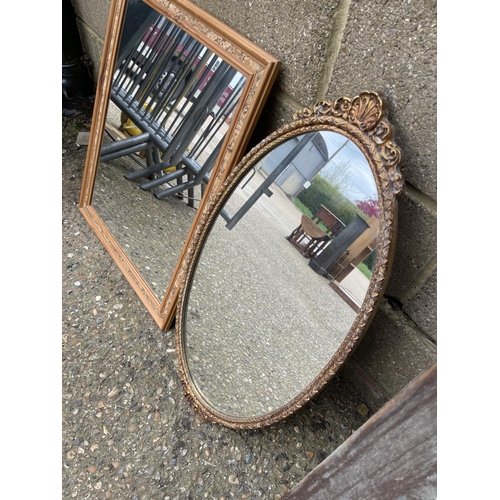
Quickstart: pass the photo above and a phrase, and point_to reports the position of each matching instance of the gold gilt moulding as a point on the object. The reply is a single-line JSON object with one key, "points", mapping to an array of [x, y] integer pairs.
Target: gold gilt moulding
{"points": [[144, 92], [271, 310]]}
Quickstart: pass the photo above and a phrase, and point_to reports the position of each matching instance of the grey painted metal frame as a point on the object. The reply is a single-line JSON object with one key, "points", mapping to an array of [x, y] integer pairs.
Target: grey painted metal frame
{"points": [[159, 77], [264, 187]]}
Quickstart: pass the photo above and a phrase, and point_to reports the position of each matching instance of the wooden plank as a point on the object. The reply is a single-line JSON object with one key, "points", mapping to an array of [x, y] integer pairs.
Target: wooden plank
{"points": [[311, 228], [348, 297], [392, 456], [331, 221]]}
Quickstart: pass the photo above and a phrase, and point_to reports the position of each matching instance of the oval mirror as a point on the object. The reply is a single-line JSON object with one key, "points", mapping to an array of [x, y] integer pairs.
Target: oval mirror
{"points": [[288, 264]]}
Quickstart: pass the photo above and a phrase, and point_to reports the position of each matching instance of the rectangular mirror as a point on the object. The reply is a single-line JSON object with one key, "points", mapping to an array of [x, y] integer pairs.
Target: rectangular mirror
{"points": [[178, 97]]}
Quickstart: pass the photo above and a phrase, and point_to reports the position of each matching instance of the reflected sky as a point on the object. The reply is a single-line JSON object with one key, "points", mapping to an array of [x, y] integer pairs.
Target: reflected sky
{"points": [[362, 184]]}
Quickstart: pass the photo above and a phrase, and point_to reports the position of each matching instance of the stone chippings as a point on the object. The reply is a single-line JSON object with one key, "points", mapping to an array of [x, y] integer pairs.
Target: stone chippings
{"points": [[127, 429]]}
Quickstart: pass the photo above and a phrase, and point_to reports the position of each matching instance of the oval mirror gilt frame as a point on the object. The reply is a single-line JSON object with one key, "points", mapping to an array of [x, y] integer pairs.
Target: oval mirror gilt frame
{"points": [[362, 120], [260, 69]]}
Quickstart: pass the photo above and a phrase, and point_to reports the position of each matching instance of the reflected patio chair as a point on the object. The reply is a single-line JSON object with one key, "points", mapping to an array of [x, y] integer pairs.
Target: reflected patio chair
{"points": [[314, 233], [308, 237]]}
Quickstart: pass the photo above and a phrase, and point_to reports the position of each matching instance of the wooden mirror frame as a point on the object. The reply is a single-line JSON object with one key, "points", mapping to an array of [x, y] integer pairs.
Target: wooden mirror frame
{"points": [[362, 120], [260, 69]]}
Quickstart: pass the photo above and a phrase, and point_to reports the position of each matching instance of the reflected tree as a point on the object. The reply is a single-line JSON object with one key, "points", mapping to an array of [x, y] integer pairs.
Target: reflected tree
{"points": [[369, 207], [321, 192], [338, 175]]}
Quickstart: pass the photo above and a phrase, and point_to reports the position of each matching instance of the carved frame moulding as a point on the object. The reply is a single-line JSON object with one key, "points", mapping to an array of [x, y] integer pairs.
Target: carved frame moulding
{"points": [[260, 70], [363, 120]]}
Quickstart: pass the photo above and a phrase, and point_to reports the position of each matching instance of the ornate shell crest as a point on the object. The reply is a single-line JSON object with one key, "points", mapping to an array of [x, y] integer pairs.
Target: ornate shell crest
{"points": [[366, 113]]}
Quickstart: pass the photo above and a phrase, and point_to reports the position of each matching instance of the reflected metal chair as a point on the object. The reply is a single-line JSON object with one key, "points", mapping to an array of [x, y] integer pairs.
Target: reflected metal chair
{"points": [[180, 96]]}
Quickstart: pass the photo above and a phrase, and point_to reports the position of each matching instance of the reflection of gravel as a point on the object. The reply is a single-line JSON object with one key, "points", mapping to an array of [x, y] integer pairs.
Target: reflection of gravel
{"points": [[261, 323], [150, 231]]}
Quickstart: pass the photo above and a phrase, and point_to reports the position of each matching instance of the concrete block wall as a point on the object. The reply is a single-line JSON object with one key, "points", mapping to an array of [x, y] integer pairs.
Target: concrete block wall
{"points": [[341, 48]]}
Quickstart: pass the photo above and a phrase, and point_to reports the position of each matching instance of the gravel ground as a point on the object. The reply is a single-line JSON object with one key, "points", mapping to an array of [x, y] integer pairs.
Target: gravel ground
{"points": [[127, 430]]}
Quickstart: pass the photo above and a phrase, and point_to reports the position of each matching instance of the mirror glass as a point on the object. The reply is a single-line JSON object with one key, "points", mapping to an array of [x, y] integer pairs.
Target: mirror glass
{"points": [[251, 334], [179, 110], [278, 285], [170, 107]]}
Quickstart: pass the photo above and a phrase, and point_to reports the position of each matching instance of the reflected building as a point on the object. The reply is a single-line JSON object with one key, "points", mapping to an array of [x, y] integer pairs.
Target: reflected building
{"points": [[302, 169]]}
